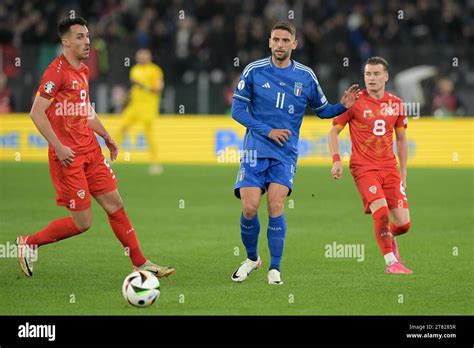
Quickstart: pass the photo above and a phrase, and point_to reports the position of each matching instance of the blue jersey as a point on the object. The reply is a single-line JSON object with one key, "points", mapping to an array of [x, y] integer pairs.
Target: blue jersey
{"points": [[276, 98]]}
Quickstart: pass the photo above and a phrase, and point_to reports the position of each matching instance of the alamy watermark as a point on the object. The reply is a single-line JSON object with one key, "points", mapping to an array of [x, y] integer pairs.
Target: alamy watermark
{"points": [[400, 109], [10, 250], [232, 155], [67, 108], [345, 251]]}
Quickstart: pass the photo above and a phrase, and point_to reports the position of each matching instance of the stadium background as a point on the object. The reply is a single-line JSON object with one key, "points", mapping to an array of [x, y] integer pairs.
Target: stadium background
{"points": [[203, 46]]}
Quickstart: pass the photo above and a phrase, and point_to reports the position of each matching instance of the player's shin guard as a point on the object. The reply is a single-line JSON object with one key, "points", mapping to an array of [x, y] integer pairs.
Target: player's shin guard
{"points": [[398, 230], [382, 234], [125, 233], [55, 231], [276, 234], [249, 230]]}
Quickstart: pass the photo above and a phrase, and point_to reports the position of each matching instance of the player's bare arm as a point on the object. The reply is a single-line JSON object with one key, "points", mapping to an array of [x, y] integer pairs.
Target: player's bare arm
{"points": [[333, 141], [38, 115], [402, 152], [98, 128]]}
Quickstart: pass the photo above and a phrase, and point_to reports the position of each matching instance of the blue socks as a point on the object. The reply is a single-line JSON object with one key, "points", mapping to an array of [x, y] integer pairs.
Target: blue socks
{"points": [[276, 233], [249, 230], [276, 239]]}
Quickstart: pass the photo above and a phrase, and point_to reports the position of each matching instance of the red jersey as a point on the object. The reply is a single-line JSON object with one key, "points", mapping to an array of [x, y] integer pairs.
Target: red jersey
{"points": [[371, 124], [68, 89]]}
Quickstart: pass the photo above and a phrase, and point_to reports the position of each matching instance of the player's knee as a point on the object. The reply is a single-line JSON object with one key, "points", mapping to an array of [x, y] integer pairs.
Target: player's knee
{"points": [[84, 227], [114, 205], [117, 205], [249, 209], [275, 208], [83, 224]]}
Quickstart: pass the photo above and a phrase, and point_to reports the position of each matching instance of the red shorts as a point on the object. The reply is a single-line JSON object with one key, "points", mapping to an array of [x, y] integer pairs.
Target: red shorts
{"points": [[89, 174], [376, 184]]}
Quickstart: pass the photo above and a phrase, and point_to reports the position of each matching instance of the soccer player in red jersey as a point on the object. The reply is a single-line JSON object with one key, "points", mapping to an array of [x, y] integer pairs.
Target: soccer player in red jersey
{"points": [[372, 120], [63, 114]]}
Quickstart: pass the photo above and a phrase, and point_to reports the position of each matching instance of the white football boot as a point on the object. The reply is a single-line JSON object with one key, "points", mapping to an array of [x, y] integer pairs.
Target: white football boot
{"points": [[246, 267], [274, 277], [27, 255]]}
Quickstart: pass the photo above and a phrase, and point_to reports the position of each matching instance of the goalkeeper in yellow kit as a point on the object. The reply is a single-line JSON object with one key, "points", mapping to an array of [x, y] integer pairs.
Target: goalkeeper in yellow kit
{"points": [[144, 102]]}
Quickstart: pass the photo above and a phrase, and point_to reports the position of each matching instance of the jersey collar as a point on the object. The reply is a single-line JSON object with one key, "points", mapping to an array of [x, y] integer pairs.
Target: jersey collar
{"points": [[292, 64]]}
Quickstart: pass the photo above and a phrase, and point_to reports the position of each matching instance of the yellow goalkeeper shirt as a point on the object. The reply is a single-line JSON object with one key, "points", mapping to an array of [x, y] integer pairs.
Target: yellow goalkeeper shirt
{"points": [[151, 76]]}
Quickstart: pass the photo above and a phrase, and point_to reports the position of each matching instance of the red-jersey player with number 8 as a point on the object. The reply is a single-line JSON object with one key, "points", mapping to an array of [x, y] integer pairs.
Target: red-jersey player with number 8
{"points": [[372, 120], [63, 114]]}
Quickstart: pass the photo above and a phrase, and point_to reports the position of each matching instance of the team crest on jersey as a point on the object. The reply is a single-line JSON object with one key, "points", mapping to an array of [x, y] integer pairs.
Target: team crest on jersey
{"points": [[48, 87], [241, 85], [373, 189], [298, 88], [81, 194]]}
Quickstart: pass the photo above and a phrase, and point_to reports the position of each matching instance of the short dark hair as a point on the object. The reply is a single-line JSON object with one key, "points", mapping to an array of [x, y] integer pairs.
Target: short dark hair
{"points": [[376, 61], [284, 25], [66, 23]]}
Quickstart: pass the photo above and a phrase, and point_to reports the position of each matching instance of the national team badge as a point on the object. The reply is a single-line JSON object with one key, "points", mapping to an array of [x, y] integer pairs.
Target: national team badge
{"points": [[81, 194], [298, 88]]}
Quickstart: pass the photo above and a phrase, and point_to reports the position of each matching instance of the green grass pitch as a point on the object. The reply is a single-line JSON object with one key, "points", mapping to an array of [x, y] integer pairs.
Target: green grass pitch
{"points": [[189, 218]]}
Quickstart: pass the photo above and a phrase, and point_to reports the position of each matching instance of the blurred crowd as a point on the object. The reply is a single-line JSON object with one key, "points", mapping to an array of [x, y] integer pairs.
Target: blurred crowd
{"points": [[222, 36]]}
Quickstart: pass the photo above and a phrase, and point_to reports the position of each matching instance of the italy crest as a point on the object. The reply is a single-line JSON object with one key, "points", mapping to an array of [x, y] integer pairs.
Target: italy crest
{"points": [[298, 88]]}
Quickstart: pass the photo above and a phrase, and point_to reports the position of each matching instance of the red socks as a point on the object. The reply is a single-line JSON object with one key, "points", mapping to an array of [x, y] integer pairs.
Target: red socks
{"points": [[382, 233], [55, 231], [125, 233], [398, 230], [65, 228]]}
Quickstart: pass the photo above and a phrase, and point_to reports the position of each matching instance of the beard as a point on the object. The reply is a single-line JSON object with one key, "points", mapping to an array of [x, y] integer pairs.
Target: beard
{"points": [[282, 57]]}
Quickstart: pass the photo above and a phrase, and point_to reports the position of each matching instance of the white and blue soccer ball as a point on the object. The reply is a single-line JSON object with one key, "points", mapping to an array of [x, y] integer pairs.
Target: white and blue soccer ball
{"points": [[141, 288]]}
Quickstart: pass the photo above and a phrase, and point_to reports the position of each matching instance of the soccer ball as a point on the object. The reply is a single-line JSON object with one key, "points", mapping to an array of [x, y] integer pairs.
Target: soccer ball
{"points": [[141, 288]]}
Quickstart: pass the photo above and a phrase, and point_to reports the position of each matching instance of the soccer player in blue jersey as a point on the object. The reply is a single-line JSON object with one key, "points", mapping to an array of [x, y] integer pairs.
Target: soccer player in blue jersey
{"points": [[270, 100]]}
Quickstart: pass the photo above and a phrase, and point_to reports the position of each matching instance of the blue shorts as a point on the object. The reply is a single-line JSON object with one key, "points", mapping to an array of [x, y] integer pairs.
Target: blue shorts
{"points": [[264, 172]]}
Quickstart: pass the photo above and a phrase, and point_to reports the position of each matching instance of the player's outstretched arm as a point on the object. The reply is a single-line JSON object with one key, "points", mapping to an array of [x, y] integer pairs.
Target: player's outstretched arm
{"points": [[97, 126], [333, 142], [38, 115], [402, 152]]}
